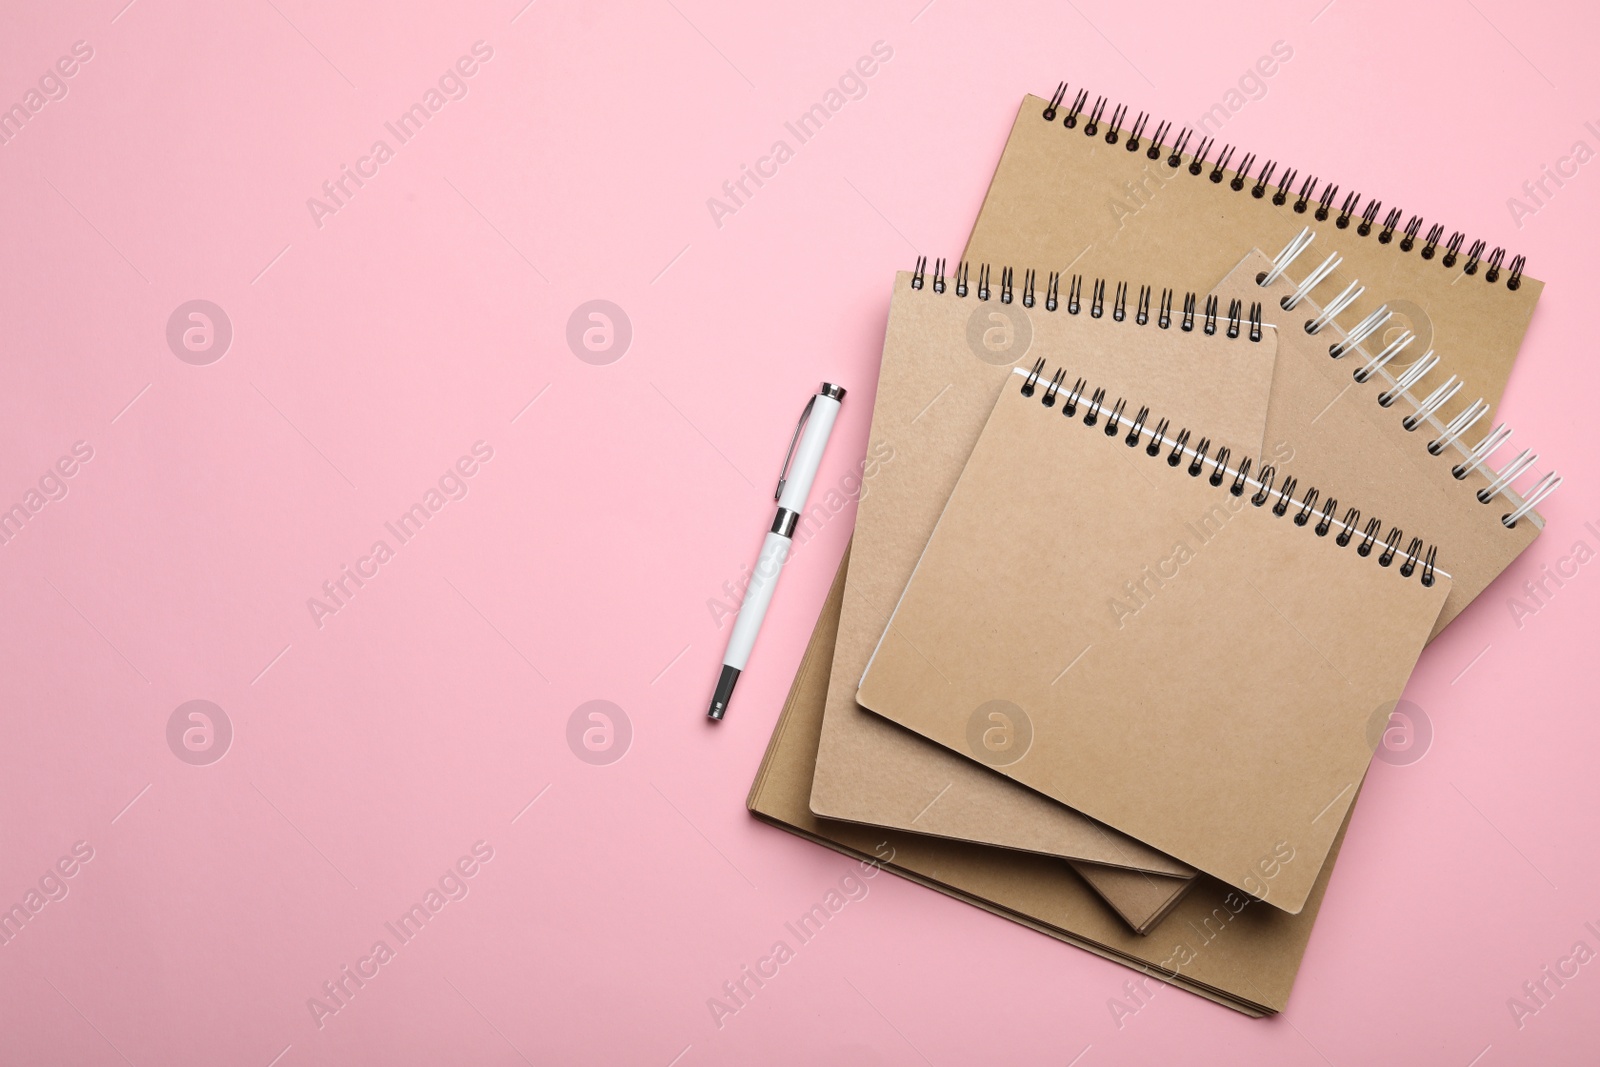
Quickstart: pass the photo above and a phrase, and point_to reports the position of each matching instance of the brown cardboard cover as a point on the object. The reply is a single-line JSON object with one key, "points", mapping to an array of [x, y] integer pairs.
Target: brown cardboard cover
{"points": [[1246, 961], [1339, 439], [1063, 199], [1193, 667], [1336, 436], [1141, 898], [938, 382]]}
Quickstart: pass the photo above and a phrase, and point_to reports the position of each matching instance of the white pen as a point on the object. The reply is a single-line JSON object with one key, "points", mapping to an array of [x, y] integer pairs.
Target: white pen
{"points": [[794, 486]]}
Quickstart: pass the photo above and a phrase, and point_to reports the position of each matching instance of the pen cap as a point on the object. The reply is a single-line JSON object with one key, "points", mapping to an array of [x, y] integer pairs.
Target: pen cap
{"points": [[808, 453]]}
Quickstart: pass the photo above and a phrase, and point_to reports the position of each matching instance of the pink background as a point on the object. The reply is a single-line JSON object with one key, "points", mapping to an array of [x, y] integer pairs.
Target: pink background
{"points": [[371, 352]]}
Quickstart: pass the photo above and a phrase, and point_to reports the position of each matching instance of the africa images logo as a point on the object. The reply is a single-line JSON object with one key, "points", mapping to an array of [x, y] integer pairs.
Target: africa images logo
{"points": [[599, 732], [599, 332], [999, 733], [999, 335], [199, 332], [199, 732]]}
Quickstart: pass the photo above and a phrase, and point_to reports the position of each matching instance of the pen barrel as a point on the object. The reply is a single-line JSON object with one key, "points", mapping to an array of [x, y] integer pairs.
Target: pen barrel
{"points": [[774, 552], [808, 453]]}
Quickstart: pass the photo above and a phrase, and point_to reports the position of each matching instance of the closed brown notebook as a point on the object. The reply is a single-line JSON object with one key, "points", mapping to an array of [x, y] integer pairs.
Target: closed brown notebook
{"points": [[1153, 629], [950, 345], [1339, 437], [1355, 412], [1214, 943], [1088, 185]]}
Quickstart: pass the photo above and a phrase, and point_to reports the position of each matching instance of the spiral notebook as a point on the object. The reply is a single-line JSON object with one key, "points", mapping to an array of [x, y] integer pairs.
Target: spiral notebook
{"points": [[1215, 943], [1358, 417], [1137, 621], [1338, 437], [949, 347], [1078, 189]]}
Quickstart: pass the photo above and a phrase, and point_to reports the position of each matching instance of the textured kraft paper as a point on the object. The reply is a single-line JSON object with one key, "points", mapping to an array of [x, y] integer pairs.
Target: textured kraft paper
{"points": [[1063, 199], [1336, 436], [1141, 898], [945, 359], [1246, 960], [1126, 635]]}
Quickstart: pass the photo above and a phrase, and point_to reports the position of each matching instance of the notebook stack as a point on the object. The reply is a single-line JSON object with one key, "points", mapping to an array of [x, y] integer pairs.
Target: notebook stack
{"points": [[1170, 523]]}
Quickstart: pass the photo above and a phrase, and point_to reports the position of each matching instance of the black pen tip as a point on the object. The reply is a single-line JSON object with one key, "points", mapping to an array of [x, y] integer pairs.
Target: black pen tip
{"points": [[724, 693]]}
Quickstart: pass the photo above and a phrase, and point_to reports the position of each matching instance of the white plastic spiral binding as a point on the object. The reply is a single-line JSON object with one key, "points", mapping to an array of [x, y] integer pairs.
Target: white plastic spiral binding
{"points": [[1450, 435]]}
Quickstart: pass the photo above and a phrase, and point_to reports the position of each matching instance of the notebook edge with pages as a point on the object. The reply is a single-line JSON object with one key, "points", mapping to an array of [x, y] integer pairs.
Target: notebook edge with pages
{"points": [[1074, 747], [1119, 310], [1029, 889], [1141, 898]]}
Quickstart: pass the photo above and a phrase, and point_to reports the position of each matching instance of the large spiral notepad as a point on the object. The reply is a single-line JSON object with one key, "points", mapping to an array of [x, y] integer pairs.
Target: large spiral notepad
{"points": [[1089, 185], [952, 341], [1151, 627]]}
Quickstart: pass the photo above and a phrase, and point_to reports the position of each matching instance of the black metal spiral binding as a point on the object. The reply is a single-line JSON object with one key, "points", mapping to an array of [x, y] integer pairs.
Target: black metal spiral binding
{"points": [[1392, 219], [1236, 319], [1348, 209], [1280, 494]]}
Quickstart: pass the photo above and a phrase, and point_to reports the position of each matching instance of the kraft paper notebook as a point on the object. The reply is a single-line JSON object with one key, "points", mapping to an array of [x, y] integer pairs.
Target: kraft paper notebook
{"points": [[1124, 195], [1356, 414], [949, 348], [1399, 460], [1213, 944], [1147, 625]]}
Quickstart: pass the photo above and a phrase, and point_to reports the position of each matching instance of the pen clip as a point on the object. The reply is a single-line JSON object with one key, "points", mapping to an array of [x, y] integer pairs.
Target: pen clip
{"points": [[783, 475]]}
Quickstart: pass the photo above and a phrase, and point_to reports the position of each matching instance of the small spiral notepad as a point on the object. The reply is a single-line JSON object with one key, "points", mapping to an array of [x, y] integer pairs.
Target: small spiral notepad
{"points": [[1156, 631]]}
